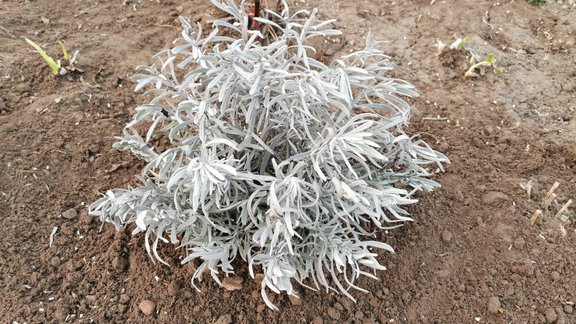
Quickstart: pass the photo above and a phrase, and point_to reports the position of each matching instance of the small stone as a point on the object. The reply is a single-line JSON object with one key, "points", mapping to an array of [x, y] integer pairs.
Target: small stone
{"points": [[446, 236], [317, 320], [492, 197], [232, 283], [555, 276], [493, 305], [411, 315], [295, 300], [55, 261], [561, 317], [147, 307], [568, 309], [346, 302], [519, 243], [22, 88], [406, 297], [551, 315], [121, 308], [334, 314], [70, 213], [124, 299], [339, 306], [224, 319], [91, 299]]}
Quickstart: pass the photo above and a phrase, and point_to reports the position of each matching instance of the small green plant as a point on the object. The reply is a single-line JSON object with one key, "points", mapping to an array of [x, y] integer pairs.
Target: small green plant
{"points": [[270, 156], [536, 2], [55, 66], [476, 66], [459, 43]]}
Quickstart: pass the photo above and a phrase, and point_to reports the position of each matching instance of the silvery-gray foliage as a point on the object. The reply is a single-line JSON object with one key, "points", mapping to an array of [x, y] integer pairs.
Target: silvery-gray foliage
{"points": [[270, 155]]}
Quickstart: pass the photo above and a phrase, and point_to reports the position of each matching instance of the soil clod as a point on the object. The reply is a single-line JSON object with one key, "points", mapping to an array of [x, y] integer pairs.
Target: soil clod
{"points": [[446, 236], [232, 283], [70, 214], [147, 307], [333, 313], [493, 305], [551, 315]]}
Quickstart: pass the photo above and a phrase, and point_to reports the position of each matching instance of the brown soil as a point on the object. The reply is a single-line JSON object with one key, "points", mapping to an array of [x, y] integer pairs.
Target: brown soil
{"points": [[472, 239]]}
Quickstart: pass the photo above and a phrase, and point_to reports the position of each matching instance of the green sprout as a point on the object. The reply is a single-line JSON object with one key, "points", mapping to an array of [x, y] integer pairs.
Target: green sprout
{"points": [[488, 61], [536, 2], [55, 67], [459, 43], [64, 52]]}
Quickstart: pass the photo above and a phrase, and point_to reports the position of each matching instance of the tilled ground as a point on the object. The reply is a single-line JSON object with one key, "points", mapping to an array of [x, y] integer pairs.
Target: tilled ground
{"points": [[472, 254]]}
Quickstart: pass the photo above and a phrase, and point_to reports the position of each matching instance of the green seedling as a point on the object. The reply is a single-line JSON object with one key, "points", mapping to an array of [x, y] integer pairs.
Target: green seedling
{"points": [[489, 61], [459, 43], [55, 66], [64, 52], [476, 66], [536, 2]]}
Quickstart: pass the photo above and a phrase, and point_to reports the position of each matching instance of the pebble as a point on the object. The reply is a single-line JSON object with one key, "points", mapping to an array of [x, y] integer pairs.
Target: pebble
{"points": [[555, 276], [446, 236], [541, 318], [561, 317], [551, 315], [147, 307], [232, 283], [406, 297], [70, 213], [124, 299], [492, 197], [317, 320], [295, 300], [334, 314], [55, 261], [346, 302], [22, 87], [519, 243], [493, 305], [224, 319], [121, 308], [568, 309]]}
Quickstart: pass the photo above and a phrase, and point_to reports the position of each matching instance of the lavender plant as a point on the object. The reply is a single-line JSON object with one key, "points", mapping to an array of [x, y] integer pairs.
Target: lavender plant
{"points": [[256, 150]]}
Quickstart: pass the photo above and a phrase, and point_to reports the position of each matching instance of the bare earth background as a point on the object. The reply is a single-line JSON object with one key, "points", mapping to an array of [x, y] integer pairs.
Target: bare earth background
{"points": [[471, 241]]}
